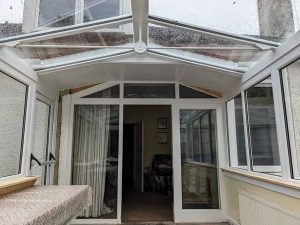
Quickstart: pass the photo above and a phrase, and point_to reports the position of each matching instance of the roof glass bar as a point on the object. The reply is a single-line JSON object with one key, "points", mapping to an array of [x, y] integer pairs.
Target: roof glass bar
{"points": [[215, 65], [114, 37], [271, 20], [66, 31], [81, 58], [264, 44]]}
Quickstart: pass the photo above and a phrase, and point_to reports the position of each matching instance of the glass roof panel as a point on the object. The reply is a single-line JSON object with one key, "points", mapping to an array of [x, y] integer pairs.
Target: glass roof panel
{"points": [[117, 37], [273, 20], [202, 47], [26, 16]]}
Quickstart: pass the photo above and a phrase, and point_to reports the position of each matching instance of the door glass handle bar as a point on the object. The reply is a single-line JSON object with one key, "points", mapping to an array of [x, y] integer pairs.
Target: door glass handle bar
{"points": [[45, 163], [51, 157], [33, 158]]}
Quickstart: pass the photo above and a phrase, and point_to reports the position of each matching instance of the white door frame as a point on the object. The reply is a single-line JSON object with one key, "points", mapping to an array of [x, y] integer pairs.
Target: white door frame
{"points": [[196, 215], [65, 159]]}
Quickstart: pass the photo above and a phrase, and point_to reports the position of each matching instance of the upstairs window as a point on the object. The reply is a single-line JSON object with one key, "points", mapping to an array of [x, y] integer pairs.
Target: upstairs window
{"points": [[57, 13]]}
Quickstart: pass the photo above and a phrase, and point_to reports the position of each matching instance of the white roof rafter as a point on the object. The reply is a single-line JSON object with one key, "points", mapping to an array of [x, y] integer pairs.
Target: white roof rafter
{"points": [[65, 31]]}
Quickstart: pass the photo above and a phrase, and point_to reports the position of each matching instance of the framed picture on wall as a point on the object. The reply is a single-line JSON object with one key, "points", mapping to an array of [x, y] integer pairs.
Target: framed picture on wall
{"points": [[162, 138], [162, 123]]}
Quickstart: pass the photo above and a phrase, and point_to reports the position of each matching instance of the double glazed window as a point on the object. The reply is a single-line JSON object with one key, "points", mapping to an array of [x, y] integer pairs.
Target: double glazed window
{"points": [[259, 117], [198, 137], [58, 13], [290, 80], [12, 118]]}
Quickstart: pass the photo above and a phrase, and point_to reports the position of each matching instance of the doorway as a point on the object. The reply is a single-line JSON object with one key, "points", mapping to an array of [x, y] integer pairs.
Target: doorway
{"points": [[147, 164]]}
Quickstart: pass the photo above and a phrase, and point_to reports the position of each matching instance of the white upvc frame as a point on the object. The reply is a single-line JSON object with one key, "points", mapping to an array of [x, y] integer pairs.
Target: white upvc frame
{"points": [[69, 101], [51, 134], [197, 215], [272, 65], [290, 124], [28, 125]]}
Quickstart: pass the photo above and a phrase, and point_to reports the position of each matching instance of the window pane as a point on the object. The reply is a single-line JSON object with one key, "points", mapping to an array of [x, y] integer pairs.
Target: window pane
{"points": [[199, 177], [97, 10], [196, 140], [291, 87], [149, 90], [40, 145], [112, 92], [57, 13], [236, 133], [186, 92], [12, 114], [95, 157], [262, 125]]}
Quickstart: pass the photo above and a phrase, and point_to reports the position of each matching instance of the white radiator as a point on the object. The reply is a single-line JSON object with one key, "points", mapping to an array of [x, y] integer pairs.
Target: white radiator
{"points": [[257, 211]]}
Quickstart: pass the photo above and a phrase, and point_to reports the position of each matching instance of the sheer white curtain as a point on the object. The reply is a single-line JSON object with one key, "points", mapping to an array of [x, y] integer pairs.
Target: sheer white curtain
{"points": [[90, 147]]}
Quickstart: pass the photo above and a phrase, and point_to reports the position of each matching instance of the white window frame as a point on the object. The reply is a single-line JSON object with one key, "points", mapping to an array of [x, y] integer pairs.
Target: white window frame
{"points": [[197, 215], [290, 125], [28, 123], [65, 160], [272, 64], [32, 12], [51, 142]]}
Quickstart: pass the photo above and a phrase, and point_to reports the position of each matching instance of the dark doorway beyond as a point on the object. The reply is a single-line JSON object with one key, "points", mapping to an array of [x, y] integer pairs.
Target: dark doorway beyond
{"points": [[147, 165], [146, 206]]}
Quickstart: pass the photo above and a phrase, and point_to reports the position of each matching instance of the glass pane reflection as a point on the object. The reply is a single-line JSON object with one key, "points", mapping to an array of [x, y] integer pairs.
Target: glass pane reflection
{"points": [[199, 170]]}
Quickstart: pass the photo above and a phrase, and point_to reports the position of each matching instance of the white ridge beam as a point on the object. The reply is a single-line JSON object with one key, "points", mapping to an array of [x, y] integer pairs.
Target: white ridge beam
{"points": [[140, 10]]}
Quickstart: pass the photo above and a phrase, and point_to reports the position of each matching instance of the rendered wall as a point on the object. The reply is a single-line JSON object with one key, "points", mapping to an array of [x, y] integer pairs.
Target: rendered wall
{"points": [[233, 186]]}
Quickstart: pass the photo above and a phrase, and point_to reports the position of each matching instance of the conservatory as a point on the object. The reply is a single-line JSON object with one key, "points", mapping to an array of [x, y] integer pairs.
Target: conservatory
{"points": [[150, 111]]}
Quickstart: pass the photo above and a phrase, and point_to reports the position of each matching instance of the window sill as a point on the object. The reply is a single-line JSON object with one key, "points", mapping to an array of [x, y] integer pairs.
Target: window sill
{"points": [[15, 184], [287, 187]]}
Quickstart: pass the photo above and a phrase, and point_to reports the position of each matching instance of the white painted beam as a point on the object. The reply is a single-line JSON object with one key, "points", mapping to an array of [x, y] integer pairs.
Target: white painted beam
{"points": [[140, 10]]}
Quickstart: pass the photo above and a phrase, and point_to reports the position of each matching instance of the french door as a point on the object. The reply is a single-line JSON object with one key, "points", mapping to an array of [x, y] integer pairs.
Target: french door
{"points": [[197, 139]]}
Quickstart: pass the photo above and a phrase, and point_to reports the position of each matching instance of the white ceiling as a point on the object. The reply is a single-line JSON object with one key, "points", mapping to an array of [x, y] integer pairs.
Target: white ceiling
{"points": [[144, 70]]}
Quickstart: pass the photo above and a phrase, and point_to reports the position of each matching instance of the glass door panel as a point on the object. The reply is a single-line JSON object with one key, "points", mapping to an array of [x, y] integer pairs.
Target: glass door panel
{"points": [[197, 133], [41, 141], [95, 157], [199, 174]]}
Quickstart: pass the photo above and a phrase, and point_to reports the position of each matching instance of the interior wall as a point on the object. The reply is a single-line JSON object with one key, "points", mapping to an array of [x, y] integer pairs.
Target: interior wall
{"points": [[231, 195], [150, 114]]}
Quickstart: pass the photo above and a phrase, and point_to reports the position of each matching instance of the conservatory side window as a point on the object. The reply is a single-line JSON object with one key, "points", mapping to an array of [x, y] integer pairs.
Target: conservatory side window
{"points": [[12, 118], [290, 81], [236, 134], [257, 119], [263, 144]]}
